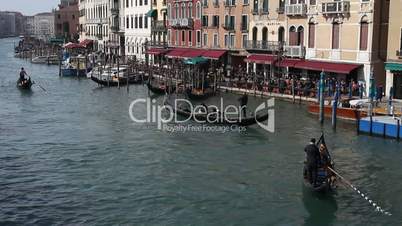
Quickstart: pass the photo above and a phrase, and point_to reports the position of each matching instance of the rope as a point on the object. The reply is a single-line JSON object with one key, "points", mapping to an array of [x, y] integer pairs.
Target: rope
{"points": [[375, 205]]}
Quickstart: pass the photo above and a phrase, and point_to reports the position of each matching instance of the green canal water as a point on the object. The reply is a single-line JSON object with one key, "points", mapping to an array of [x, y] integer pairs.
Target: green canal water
{"points": [[72, 156]]}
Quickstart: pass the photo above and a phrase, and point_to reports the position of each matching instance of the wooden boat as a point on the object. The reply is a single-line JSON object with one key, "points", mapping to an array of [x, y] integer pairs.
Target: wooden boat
{"points": [[326, 179], [215, 117], [341, 112], [197, 94], [159, 88], [24, 84]]}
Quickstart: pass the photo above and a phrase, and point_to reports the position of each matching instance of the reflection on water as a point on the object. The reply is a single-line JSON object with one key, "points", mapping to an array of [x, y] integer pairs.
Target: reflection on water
{"points": [[321, 207]]}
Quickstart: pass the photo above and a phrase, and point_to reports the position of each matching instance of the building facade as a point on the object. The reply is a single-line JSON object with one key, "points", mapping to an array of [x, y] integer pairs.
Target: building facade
{"points": [[11, 24], [393, 65], [184, 23], [67, 21], [158, 16], [95, 16], [44, 28], [137, 28]]}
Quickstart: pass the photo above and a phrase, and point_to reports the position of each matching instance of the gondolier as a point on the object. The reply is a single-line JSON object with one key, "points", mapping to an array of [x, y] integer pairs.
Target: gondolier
{"points": [[243, 104], [23, 73], [312, 158]]}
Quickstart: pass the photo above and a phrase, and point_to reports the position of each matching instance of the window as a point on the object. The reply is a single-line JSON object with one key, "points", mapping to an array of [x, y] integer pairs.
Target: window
{"points": [[198, 13], [232, 40], [311, 35], [176, 40], [145, 21], [132, 21], [244, 41], [245, 2], [198, 38], [127, 3], [183, 37], [363, 35], [255, 6], [136, 21], [145, 2], [169, 11], [127, 22], [216, 41], [140, 2], [226, 41], [205, 39], [205, 21], [244, 22], [205, 3], [313, 2], [140, 21], [190, 10], [183, 11], [265, 6], [335, 36], [190, 37]]}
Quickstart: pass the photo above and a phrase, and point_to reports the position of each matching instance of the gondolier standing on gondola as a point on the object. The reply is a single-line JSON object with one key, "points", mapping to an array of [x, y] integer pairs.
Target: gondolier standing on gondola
{"points": [[312, 159], [23, 73], [243, 104]]}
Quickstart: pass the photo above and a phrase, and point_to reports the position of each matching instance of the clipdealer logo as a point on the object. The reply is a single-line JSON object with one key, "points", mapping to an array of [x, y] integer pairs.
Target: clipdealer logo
{"points": [[216, 118]]}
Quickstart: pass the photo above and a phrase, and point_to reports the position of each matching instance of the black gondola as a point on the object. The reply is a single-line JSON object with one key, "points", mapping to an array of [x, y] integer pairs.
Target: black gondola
{"points": [[195, 94], [326, 179], [25, 84], [159, 89], [215, 118], [116, 81]]}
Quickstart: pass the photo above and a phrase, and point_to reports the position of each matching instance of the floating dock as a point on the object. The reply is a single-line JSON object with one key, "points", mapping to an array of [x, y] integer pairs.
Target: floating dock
{"points": [[385, 126]]}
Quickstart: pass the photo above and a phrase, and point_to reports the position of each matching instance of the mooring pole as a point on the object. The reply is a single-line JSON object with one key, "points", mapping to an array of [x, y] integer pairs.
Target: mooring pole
{"points": [[335, 107], [321, 94]]}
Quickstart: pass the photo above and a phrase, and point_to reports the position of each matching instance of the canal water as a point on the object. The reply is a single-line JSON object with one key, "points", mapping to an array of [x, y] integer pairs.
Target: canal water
{"points": [[70, 155]]}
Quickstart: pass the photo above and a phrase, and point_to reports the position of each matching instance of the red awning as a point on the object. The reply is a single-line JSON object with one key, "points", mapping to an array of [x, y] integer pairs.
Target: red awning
{"points": [[175, 53], [74, 46], [260, 58], [86, 42], [191, 53], [342, 68], [213, 54], [156, 51], [287, 62]]}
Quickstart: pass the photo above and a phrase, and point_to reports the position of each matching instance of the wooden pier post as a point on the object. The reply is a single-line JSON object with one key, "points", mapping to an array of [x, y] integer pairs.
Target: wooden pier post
{"points": [[321, 94], [335, 107]]}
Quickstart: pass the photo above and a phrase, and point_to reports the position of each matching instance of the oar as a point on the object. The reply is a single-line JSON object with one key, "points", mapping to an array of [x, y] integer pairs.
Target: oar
{"points": [[377, 207], [33, 82]]}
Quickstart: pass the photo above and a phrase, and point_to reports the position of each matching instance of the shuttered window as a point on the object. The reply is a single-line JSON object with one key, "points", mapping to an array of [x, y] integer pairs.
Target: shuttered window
{"points": [[311, 35], [293, 36], [363, 35], [335, 36]]}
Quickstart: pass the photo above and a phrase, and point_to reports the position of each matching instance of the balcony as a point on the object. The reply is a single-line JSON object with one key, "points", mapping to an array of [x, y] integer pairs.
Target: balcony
{"points": [[229, 3], [263, 45], [295, 51], [339, 7], [296, 9], [158, 44], [182, 23], [228, 26], [264, 11], [399, 54], [159, 25], [114, 28], [97, 21]]}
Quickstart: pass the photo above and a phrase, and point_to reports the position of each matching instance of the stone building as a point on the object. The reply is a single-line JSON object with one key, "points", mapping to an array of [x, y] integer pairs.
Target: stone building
{"points": [[67, 21]]}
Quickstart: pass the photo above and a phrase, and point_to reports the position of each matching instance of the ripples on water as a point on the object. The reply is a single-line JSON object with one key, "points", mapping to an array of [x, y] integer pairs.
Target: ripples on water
{"points": [[71, 156]]}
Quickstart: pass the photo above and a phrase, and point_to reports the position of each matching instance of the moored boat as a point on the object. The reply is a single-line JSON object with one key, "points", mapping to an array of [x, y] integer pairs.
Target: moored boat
{"points": [[160, 87], [215, 117], [199, 94], [75, 66], [346, 113]]}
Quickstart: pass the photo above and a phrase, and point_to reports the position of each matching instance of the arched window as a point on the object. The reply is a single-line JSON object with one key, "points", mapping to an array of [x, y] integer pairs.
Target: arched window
{"points": [[176, 15], [300, 36], [169, 11], [183, 10], [190, 10], [198, 8], [281, 34], [363, 33], [255, 33], [292, 36], [264, 34]]}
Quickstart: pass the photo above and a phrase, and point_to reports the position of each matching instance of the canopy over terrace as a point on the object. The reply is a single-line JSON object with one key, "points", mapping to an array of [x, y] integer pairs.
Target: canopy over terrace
{"points": [[185, 53]]}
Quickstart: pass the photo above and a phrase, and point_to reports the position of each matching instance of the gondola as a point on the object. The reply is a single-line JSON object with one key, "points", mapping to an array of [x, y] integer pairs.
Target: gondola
{"points": [[24, 84], [214, 118], [326, 179], [160, 89], [117, 81], [196, 94]]}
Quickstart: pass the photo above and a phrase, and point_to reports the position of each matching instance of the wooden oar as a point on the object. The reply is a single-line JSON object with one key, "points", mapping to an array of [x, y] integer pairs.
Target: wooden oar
{"points": [[33, 82], [377, 207]]}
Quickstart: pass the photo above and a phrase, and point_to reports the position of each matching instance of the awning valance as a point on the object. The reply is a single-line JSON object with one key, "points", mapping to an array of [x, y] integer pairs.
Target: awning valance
{"points": [[260, 58], [191, 53], [341, 68], [157, 51], [393, 66], [151, 13], [287, 62], [175, 53], [86, 42], [214, 54], [196, 60]]}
